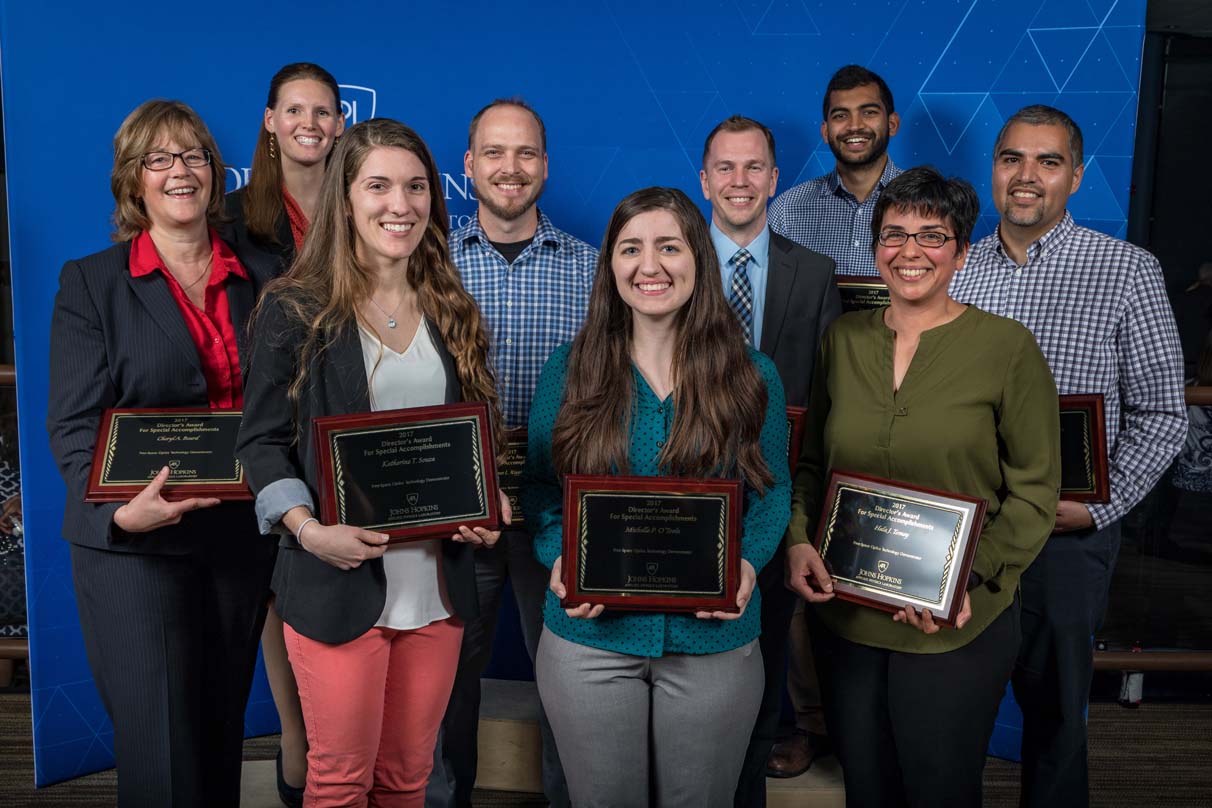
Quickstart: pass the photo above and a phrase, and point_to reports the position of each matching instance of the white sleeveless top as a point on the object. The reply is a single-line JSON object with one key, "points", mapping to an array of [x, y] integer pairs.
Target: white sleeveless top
{"points": [[416, 588]]}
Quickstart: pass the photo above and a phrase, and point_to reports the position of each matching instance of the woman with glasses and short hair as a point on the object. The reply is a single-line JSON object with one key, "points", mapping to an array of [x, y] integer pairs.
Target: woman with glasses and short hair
{"points": [[931, 392], [171, 592]]}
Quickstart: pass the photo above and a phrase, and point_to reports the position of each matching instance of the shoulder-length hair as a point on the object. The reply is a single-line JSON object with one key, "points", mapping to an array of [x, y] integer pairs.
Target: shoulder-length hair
{"points": [[326, 283], [263, 206], [148, 127], [719, 397]]}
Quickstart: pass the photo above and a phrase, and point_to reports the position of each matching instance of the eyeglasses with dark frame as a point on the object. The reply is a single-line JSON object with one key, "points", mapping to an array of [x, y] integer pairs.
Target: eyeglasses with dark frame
{"points": [[926, 238], [163, 160]]}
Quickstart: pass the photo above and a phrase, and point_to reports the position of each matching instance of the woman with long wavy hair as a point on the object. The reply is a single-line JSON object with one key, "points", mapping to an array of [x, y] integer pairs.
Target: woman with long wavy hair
{"points": [[371, 316], [658, 382]]}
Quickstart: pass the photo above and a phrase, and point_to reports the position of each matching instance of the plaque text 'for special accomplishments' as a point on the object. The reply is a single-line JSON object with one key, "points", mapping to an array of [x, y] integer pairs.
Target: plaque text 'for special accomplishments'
{"points": [[652, 543], [197, 444], [413, 474], [891, 544]]}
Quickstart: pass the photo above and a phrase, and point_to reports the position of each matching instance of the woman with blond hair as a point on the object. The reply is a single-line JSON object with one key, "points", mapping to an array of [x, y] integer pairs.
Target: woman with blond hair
{"points": [[171, 593], [371, 316]]}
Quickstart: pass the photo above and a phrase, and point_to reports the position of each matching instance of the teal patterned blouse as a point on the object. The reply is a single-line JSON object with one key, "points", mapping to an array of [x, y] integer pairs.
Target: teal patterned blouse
{"points": [[765, 519]]}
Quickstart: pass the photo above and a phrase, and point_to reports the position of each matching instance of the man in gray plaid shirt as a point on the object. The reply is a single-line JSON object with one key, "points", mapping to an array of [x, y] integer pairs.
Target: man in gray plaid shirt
{"points": [[1098, 309]]}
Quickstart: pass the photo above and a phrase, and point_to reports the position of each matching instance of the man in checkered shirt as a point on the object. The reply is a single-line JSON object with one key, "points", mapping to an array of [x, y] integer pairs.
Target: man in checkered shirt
{"points": [[1098, 309], [832, 214], [532, 284]]}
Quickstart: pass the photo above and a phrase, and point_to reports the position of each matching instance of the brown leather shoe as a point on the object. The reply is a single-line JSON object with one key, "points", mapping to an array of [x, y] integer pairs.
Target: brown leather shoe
{"points": [[791, 756]]}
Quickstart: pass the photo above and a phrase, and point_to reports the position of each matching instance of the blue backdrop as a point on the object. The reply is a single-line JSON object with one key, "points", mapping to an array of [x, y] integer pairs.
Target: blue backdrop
{"points": [[629, 90]]}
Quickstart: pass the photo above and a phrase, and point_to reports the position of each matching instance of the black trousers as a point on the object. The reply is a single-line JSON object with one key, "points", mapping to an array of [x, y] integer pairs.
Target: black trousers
{"points": [[172, 644], [910, 730], [778, 604], [1064, 594]]}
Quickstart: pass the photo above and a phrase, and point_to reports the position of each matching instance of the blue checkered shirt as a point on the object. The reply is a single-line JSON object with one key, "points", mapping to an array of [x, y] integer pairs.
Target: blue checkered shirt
{"points": [[531, 306], [1098, 308], [822, 215]]}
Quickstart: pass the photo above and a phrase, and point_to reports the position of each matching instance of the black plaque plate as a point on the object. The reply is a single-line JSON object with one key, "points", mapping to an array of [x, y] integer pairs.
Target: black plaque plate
{"points": [[509, 472], [652, 543], [860, 292], [413, 474], [1084, 474], [890, 544], [197, 445]]}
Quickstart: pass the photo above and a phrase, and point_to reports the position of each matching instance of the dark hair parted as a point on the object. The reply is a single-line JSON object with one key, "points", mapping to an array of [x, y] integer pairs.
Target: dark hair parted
{"points": [[719, 397], [739, 123], [851, 76], [148, 128], [326, 283], [1043, 115], [515, 101], [926, 192], [263, 206]]}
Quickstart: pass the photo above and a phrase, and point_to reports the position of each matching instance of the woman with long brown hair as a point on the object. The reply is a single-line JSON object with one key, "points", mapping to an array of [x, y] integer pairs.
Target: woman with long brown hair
{"points": [[659, 382], [371, 316]]}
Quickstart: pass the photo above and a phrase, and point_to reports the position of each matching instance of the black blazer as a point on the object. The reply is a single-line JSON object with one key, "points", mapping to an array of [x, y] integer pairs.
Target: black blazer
{"points": [[317, 599], [801, 301], [236, 232], [120, 341]]}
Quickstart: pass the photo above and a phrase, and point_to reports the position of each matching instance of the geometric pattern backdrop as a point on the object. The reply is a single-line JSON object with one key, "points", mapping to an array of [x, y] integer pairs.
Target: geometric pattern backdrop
{"points": [[628, 89]]}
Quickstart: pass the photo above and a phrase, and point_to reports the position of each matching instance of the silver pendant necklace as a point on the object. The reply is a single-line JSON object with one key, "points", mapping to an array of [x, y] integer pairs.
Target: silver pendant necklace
{"points": [[391, 318]]}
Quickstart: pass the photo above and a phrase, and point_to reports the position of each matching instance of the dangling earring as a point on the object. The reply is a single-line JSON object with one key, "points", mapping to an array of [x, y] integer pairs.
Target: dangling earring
{"points": [[273, 147]]}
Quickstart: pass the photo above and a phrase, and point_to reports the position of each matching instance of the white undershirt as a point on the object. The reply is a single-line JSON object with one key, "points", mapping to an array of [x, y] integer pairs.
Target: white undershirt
{"points": [[416, 589]]}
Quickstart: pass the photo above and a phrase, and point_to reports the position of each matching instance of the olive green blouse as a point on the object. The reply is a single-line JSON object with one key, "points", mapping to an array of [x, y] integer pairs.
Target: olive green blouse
{"points": [[976, 414]]}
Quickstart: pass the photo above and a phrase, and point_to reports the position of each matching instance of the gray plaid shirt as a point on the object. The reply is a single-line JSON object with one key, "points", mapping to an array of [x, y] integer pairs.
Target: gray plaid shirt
{"points": [[1098, 308]]}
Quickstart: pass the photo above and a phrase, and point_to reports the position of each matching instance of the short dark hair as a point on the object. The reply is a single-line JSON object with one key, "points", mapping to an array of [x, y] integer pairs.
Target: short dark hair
{"points": [[926, 192], [514, 101], [1043, 115], [851, 76], [739, 123]]}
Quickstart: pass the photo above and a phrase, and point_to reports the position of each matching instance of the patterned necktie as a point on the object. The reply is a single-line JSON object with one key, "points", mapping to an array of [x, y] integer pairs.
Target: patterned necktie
{"points": [[741, 298]]}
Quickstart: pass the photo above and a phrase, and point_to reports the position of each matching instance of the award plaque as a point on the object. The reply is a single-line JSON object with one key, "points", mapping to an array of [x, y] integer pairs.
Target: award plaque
{"points": [[413, 474], [197, 445], [890, 544], [1084, 476], [652, 543], [796, 418], [509, 472], [860, 292]]}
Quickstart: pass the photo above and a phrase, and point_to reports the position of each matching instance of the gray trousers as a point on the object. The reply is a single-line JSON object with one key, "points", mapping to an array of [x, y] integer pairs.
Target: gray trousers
{"points": [[456, 758], [668, 731]]}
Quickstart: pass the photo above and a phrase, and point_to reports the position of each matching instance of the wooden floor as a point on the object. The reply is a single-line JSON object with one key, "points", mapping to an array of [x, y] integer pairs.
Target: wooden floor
{"points": [[1156, 755]]}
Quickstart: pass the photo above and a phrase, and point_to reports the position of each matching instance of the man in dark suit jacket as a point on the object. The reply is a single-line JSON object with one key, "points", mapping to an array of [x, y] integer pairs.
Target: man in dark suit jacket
{"points": [[784, 296]]}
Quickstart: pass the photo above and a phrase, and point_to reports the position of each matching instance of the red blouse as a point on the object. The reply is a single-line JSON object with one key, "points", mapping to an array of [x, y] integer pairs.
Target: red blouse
{"points": [[298, 219]]}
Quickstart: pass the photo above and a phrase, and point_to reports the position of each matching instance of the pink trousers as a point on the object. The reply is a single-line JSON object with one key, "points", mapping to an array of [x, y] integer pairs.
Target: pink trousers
{"points": [[372, 708]]}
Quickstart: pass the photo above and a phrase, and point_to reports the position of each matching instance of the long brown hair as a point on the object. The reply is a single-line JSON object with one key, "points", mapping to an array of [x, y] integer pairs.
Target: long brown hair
{"points": [[263, 206], [325, 284], [719, 397], [139, 134]]}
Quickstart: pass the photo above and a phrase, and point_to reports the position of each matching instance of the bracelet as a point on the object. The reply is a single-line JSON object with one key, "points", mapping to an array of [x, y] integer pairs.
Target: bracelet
{"points": [[306, 522]]}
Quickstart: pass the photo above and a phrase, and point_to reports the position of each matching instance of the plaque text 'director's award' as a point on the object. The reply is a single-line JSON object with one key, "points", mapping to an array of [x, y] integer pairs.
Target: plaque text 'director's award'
{"points": [[859, 292], [1084, 475], [652, 543], [413, 474], [890, 544], [197, 445]]}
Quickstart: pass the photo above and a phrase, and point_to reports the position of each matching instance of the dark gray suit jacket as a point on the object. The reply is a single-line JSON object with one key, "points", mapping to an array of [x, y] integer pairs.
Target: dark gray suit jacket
{"points": [[801, 301]]}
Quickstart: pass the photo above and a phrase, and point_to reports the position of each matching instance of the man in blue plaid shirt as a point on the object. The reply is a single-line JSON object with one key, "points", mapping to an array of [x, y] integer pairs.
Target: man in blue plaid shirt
{"points": [[1098, 309], [832, 214], [532, 284]]}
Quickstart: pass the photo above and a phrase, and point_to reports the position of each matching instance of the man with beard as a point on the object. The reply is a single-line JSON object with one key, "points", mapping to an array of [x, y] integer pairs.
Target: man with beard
{"points": [[1098, 309], [784, 296], [832, 214], [532, 284]]}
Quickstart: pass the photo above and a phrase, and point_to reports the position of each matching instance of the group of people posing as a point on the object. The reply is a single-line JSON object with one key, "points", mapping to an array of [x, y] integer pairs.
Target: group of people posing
{"points": [[330, 285]]}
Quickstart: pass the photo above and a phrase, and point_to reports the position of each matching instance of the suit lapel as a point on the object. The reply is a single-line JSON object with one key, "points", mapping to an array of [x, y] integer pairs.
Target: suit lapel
{"points": [[153, 292], [347, 372], [240, 306], [779, 282], [454, 390]]}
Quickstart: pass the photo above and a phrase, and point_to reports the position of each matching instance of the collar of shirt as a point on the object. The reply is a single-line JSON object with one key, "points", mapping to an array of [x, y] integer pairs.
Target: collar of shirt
{"points": [[544, 235], [833, 180], [145, 259], [1045, 244]]}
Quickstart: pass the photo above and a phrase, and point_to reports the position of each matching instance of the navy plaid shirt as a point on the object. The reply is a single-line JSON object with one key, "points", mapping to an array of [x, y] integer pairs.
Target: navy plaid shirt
{"points": [[1098, 308], [530, 306], [822, 215]]}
